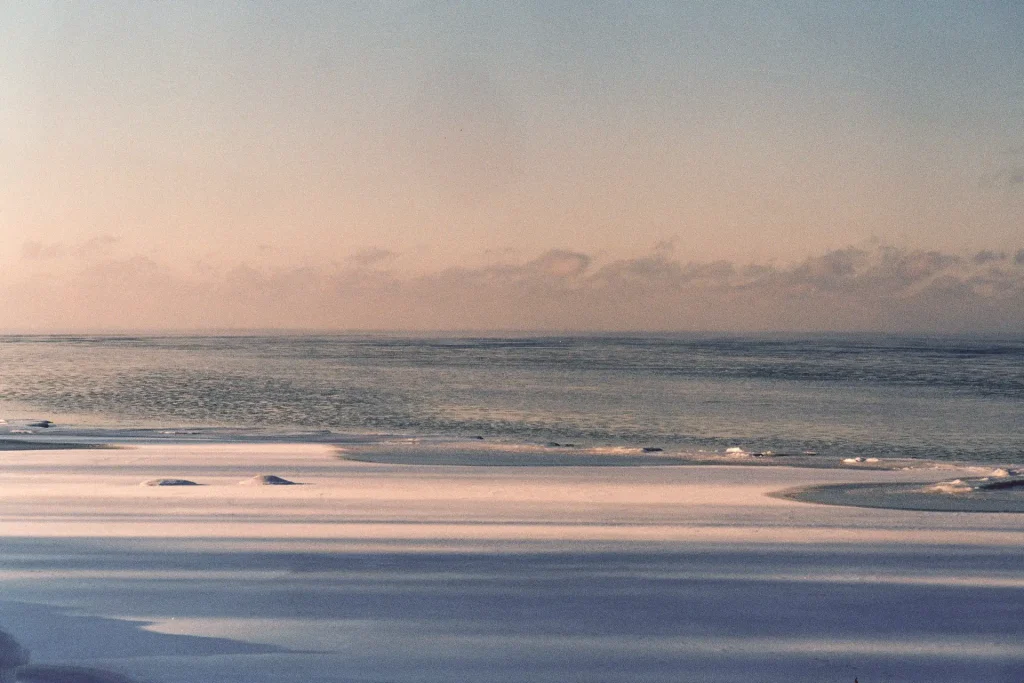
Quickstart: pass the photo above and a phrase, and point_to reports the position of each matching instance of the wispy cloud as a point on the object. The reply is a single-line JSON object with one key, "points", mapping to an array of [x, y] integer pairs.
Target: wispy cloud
{"points": [[36, 250], [1010, 176], [1010, 172], [98, 246], [560, 263], [373, 256], [855, 288]]}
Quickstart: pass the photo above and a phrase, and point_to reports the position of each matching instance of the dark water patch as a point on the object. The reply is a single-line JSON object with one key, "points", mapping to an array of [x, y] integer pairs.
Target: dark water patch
{"points": [[1002, 485], [506, 459], [919, 496], [24, 445]]}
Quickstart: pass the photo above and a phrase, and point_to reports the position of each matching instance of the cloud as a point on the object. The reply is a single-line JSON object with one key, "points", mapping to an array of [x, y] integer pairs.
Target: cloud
{"points": [[1010, 176], [97, 247], [988, 256], [666, 247], [881, 288], [560, 263], [94, 247], [1009, 172], [372, 257]]}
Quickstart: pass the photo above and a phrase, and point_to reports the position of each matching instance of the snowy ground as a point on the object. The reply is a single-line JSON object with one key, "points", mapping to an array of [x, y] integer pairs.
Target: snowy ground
{"points": [[373, 572]]}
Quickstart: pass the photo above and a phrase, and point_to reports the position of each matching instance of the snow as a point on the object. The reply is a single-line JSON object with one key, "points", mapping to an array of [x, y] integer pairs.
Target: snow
{"points": [[377, 572]]}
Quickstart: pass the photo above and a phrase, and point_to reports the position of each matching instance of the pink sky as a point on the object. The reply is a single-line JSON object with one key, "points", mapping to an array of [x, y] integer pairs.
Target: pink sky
{"points": [[421, 165]]}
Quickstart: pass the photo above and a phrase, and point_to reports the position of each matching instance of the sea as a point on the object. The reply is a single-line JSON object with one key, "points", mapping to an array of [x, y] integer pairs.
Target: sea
{"points": [[829, 397]]}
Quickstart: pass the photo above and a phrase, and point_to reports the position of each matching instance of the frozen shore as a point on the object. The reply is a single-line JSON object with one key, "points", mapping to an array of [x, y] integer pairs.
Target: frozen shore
{"points": [[368, 571]]}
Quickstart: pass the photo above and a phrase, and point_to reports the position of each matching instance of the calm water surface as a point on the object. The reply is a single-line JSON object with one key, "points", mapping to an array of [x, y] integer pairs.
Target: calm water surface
{"points": [[849, 396]]}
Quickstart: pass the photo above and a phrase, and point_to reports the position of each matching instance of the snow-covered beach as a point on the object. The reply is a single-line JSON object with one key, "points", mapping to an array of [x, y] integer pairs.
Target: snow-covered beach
{"points": [[382, 572]]}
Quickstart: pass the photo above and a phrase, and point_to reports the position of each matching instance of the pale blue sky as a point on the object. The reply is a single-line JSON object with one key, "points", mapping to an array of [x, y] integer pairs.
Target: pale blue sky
{"points": [[280, 135]]}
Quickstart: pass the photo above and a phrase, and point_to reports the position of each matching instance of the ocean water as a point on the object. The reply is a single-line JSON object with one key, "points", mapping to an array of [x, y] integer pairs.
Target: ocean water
{"points": [[942, 398]]}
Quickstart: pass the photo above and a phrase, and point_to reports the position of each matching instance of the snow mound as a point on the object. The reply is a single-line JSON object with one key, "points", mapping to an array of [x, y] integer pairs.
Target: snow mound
{"points": [[267, 480], [953, 486]]}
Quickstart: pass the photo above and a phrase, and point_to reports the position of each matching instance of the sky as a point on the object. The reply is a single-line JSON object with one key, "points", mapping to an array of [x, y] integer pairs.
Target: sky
{"points": [[474, 164]]}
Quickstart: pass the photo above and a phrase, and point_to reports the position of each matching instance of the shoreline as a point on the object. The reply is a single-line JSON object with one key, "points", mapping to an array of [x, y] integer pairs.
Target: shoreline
{"points": [[995, 489]]}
